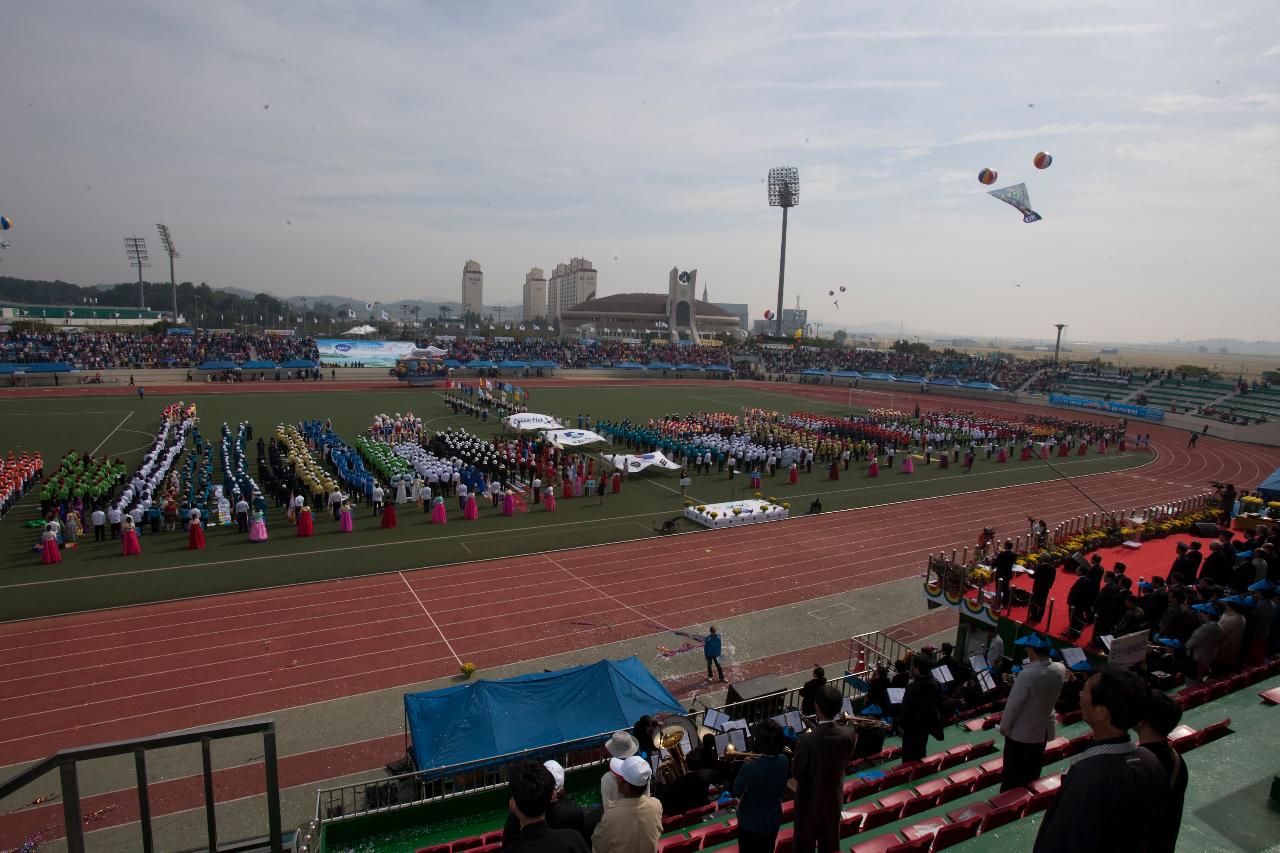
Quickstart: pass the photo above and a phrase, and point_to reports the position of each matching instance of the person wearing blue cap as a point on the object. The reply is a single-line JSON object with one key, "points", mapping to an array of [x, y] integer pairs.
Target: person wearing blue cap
{"points": [[1027, 721], [1202, 647]]}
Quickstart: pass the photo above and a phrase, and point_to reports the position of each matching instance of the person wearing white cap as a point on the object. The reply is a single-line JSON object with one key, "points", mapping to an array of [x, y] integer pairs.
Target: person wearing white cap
{"points": [[632, 823], [561, 814], [532, 792], [620, 745]]}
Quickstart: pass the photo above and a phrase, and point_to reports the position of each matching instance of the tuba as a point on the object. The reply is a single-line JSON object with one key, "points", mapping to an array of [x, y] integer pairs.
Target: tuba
{"points": [[673, 731]]}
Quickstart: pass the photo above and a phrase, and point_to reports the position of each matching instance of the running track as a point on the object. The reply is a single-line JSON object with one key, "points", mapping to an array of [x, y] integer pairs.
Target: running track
{"points": [[123, 673]]}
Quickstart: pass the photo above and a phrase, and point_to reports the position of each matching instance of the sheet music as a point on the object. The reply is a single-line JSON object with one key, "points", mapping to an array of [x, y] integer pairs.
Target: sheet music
{"points": [[795, 720], [896, 694], [1072, 656], [781, 720], [986, 681], [722, 740], [654, 761], [738, 738], [978, 662], [714, 720], [685, 745], [732, 725], [846, 707], [943, 674], [1106, 641]]}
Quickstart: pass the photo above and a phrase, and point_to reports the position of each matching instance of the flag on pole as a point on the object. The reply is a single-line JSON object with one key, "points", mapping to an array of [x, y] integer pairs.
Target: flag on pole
{"points": [[368, 306], [384, 315]]}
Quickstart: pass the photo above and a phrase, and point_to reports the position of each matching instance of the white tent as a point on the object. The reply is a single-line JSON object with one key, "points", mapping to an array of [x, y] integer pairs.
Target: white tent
{"points": [[531, 421], [573, 437], [360, 330], [633, 463]]}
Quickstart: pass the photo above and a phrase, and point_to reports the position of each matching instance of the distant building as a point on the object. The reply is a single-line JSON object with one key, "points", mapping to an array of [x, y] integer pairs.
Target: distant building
{"points": [[738, 309], [792, 319], [677, 314], [535, 295], [472, 289], [569, 285]]}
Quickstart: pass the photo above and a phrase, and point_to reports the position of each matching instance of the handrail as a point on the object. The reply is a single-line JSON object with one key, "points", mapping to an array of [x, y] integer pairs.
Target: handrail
{"points": [[65, 762]]}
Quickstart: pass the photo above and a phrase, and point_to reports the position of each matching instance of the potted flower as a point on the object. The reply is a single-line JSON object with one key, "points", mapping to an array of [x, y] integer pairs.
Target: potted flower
{"points": [[467, 669], [688, 503], [701, 508]]}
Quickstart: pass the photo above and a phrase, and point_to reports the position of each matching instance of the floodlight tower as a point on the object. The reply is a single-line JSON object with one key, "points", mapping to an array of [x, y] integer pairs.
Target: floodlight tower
{"points": [[1058, 345], [166, 240], [136, 249], [784, 192]]}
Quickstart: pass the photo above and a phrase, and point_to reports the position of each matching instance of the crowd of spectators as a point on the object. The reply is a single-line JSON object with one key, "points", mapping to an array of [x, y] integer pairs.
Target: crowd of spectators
{"points": [[98, 350]]}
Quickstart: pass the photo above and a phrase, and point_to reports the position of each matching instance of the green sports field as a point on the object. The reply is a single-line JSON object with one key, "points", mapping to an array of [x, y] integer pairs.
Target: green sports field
{"points": [[95, 575]]}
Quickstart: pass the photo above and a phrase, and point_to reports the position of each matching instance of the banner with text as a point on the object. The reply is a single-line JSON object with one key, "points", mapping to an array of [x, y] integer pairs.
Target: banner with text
{"points": [[1130, 409], [341, 351]]}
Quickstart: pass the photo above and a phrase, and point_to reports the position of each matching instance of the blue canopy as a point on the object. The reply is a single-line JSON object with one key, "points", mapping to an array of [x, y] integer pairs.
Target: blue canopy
{"points": [[910, 377], [512, 365], [452, 362], [847, 374], [946, 380], [628, 365], [218, 365], [295, 363], [688, 367], [259, 365], [719, 368], [543, 363], [480, 363], [472, 723], [661, 365], [813, 371], [879, 377], [1270, 487], [985, 386]]}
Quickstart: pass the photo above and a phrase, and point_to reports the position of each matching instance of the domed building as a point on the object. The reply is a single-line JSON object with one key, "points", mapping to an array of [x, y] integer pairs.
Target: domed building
{"points": [[677, 314]]}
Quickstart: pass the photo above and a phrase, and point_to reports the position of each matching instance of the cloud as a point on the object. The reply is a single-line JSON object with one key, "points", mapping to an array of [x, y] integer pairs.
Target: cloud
{"points": [[1045, 131], [1274, 50], [1063, 32], [1183, 102]]}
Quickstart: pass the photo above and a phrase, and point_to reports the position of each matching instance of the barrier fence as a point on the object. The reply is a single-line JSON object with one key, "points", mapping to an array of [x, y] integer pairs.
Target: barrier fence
{"points": [[390, 793]]}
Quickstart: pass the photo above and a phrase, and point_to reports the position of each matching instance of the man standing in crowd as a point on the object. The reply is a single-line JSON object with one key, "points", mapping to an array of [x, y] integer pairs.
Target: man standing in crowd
{"points": [[532, 793], [1113, 785], [810, 690], [711, 649], [1153, 730], [1027, 722], [821, 756], [560, 814], [1003, 565], [920, 715], [633, 822]]}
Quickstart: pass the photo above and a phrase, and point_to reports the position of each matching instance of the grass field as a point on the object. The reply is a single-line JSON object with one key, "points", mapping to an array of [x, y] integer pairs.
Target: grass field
{"points": [[96, 575]]}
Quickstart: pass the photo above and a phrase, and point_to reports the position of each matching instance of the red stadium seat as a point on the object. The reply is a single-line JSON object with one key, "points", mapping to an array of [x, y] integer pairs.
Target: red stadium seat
{"points": [[467, 843], [435, 848], [932, 788], [1068, 717], [952, 759], [701, 811], [967, 776], [856, 789], [488, 848], [1214, 731], [492, 837], [1218, 689], [915, 845], [1016, 796], [1001, 816], [1055, 750], [878, 818], [879, 844], [954, 791], [788, 810], [786, 841], [986, 779], [851, 825], [718, 834], [897, 800], [1079, 744], [978, 810], [918, 805], [1039, 802], [1052, 782], [679, 844], [954, 833], [1237, 682], [982, 748]]}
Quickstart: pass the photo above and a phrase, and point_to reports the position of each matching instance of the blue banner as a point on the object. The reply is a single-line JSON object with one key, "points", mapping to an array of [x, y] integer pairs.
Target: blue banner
{"points": [[1130, 409], [369, 353]]}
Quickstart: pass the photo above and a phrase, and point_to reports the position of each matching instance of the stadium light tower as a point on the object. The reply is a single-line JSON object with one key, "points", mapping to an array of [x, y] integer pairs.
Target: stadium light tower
{"points": [[166, 240], [784, 192], [136, 249], [1058, 345]]}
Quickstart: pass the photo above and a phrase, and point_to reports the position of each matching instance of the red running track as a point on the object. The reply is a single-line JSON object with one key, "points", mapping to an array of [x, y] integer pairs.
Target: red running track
{"points": [[123, 673]]}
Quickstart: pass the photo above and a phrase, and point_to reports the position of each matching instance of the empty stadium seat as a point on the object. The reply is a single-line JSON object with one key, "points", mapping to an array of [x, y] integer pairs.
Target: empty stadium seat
{"points": [[878, 818], [954, 791], [718, 834], [788, 810], [851, 825], [915, 845], [1068, 717], [879, 844], [1079, 744], [1004, 798], [916, 806], [435, 848], [856, 789], [493, 847], [987, 778], [954, 833], [1218, 689], [675, 821], [932, 788], [786, 841], [1000, 816], [972, 810], [897, 800], [1039, 802], [466, 843], [492, 837], [1052, 782], [1055, 750], [1214, 731], [679, 844], [967, 776], [982, 748]]}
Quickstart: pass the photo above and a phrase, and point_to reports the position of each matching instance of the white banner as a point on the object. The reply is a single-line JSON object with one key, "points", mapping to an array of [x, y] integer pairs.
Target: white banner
{"points": [[573, 437], [369, 353], [1129, 649], [531, 421], [633, 463]]}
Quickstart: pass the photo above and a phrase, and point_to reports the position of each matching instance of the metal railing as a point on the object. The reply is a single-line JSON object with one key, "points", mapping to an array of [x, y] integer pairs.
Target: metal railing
{"points": [[866, 652], [65, 762]]}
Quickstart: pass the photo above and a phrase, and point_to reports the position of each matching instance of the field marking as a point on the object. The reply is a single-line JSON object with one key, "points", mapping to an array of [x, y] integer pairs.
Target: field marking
{"points": [[429, 616], [53, 414], [598, 591], [94, 452], [520, 531]]}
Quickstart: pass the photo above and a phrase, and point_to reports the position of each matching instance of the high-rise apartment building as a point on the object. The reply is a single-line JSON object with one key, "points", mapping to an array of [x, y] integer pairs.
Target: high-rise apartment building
{"points": [[472, 289], [569, 285], [535, 295]]}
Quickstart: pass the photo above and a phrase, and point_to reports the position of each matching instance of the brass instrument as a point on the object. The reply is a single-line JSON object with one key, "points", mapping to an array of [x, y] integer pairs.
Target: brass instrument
{"points": [[675, 765], [854, 721]]}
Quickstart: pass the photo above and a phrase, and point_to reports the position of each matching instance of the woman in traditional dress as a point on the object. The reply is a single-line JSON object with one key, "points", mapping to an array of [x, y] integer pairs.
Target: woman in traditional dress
{"points": [[508, 503], [389, 519], [129, 537], [72, 529], [549, 499], [908, 465], [49, 552], [833, 471], [402, 492], [438, 513], [793, 475], [346, 519], [305, 525], [258, 528], [472, 512], [195, 532], [873, 470]]}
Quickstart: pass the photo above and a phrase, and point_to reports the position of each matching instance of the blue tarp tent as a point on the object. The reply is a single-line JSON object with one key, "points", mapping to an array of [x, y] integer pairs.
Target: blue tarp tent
{"points": [[689, 367], [719, 368], [628, 365], [471, 724], [1270, 487], [298, 363], [813, 371], [219, 365], [661, 365], [946, 380], [480, 363], [259, 365], [985, 386], [39, 367], [512, 365], [911, 377], [543, 364], [879, 377], [847, 374], [452, 362]]}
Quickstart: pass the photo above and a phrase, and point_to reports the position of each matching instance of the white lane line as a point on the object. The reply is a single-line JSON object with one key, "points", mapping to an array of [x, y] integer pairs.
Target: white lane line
{"points": [[614, 599], [429, 616], [94, 452]]}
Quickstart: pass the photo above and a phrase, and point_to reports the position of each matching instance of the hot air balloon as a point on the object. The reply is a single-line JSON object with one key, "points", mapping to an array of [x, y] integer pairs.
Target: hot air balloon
{"points": [[842, 288], [1043, 160], [768, 315], [987, 176], [5, 223]]}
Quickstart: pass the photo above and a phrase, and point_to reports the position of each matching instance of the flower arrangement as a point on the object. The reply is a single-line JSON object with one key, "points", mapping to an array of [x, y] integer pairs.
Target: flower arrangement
{"points": [[737, 510], [688, 503], [713, 514], [467, 669], [1273, 506], [980, 575], [786, 505], [1251, 500], [701, 508], [758, 496]]}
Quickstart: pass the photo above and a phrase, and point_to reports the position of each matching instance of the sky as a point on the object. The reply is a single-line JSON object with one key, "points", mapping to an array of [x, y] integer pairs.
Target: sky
{"points": [[372, 148]]}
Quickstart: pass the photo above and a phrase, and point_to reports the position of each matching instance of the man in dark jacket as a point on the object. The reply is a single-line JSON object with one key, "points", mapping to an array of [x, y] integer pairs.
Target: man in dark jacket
{"points": [[1162, 717], [810, 691], [532, 789], [1111, 783], [1155, 602], [1217, 566], [1003, 565], [1080, 599], [560, 814], [1041, 586], [818, 769], [920, 711], [1194, 557]]}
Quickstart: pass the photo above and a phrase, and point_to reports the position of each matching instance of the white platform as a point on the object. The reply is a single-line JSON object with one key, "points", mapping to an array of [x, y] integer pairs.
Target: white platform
{"points": [[750, 512]]}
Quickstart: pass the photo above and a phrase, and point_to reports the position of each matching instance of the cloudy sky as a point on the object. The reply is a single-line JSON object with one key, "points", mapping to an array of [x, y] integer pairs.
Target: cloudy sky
{"points": [[318, 147]]}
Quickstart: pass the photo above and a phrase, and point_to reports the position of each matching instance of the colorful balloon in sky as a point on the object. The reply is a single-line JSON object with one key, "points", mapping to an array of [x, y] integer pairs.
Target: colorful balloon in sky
{"points": [[1043, 160], [987, 176], [768, 315], [5, 223], [842, 288]]}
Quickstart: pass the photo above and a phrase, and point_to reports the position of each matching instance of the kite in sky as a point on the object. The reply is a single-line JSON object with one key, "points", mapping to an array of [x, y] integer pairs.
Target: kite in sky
{"points": [[1017, 197]]}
